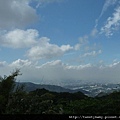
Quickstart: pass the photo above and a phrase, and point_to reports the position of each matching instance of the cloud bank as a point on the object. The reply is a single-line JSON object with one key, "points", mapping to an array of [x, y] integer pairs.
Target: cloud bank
{"points": [[59, 73]]}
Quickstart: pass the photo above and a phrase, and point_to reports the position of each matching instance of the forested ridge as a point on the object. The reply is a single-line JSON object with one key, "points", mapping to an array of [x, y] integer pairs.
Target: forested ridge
{"points": [[15, 100]]}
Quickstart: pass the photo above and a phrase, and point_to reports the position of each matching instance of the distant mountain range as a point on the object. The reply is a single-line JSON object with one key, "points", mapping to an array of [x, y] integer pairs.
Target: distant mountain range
{"points": [[54, 88], [96, 89], [91, 90]]}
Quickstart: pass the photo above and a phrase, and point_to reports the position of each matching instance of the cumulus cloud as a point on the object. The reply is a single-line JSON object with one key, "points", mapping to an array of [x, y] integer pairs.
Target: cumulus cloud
{"points": [[16, 13], [46, 50], [66, 48], [38, 48], [19, 38], [93, 53], [112, 24], [59, 73], [20, 63], [114, 64], [51, 63]]}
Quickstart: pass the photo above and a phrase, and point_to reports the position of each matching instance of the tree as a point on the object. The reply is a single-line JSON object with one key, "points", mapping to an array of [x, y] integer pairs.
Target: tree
{"points": [[7, 85]]}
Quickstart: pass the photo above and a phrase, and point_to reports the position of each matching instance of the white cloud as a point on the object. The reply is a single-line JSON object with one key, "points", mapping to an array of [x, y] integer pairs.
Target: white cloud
{"points": [[112, 24], [66, 48], [19, 38], [78, 67], [16, 13], [51, 64], [106, 5], [39, 48], [114, 64], [46, 50], [3, 63], [20, 63], [93, 53]]}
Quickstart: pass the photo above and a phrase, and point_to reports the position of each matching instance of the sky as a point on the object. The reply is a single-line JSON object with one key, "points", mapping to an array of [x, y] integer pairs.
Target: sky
{"points": [[61, 42]]}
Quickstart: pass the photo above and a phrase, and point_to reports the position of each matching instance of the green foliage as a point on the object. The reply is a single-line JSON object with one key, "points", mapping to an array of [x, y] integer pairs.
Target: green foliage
{"points": [[7, 85]]}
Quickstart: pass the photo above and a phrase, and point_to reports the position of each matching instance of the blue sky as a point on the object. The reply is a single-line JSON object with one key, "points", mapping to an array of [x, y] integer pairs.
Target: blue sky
{"points": [[62, 41]]}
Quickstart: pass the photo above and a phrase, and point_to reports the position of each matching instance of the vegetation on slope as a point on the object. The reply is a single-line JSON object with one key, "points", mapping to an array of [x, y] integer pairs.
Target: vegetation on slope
{"points": [[14, 100]]}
